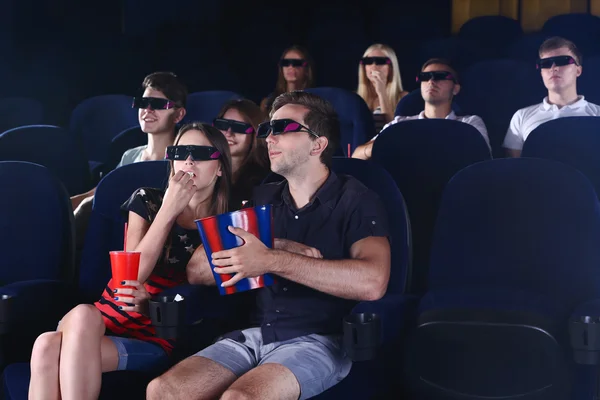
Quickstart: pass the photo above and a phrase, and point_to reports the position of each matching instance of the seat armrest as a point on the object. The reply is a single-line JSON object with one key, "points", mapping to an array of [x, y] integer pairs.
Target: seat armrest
{"points": [[584, 332], [395, 310], [204, 302]]}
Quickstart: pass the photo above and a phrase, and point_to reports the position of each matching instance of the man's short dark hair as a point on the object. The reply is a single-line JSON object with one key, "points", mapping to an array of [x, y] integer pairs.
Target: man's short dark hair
{"points": [[444, 62], [557, 42], [321, 118], [169, 84]]}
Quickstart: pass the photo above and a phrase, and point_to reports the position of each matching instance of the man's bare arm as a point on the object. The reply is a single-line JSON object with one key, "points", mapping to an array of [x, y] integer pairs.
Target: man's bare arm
{"points": [[364, 151], [198, 269], [362, 277]]}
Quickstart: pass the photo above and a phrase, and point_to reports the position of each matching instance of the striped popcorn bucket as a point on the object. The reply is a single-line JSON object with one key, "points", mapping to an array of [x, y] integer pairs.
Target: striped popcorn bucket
{"points": [[216, 237]]}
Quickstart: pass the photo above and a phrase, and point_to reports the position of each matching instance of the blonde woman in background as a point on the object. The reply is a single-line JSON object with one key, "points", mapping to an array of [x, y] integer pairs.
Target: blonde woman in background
{"points": [[379, 83]]}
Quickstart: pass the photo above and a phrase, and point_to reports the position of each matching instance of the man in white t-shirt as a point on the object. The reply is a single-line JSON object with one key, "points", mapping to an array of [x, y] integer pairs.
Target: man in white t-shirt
{"points": [[439, 85], [560, 65]]}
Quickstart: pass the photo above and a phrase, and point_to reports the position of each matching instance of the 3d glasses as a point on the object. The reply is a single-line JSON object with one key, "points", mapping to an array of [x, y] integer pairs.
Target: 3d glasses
{"points": [[375, 60], [292, 62], [155, 103], [198, 153], [223, 124], [436, 76], [279, 126], [559, 61]]}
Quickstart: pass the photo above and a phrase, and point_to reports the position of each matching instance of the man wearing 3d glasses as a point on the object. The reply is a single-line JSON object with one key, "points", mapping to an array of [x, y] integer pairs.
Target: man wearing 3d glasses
{"points": [[331, 250], [439, 85], [160, 108], [560, 66]]}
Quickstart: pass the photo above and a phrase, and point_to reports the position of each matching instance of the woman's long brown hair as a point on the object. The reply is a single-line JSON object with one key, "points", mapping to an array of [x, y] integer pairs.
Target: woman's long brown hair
{"points": [[253, 115], [222, 189], [281, 86]]}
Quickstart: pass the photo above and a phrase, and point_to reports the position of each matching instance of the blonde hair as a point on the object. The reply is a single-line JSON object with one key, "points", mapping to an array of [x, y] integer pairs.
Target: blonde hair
{"points": [[394, 85]]}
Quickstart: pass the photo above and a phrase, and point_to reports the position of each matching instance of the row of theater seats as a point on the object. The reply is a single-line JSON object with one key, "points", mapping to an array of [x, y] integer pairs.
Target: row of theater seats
{"points": [[50, 268], [101, 129], [496, 89], [506, 253], [104, 127], [515, 240], [421, 156], [97, 120], [513, 258], [493, 89], [490, 37], [504, 37]]}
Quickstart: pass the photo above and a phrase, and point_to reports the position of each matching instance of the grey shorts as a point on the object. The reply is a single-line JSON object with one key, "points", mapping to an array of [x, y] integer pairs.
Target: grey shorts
{"points": [[317, 361]]}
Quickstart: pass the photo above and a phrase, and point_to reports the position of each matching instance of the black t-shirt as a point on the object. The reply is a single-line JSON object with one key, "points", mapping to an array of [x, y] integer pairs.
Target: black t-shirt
{"points": [[342, 212]]}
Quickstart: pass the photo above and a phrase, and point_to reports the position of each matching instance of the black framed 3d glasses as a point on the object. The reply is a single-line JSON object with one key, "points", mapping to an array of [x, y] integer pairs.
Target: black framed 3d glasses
{"points": [[223, 124], [559, 61], [436, 76], [198, 153], [280, 126], [375, 60], [292, 62], [155, 103]]}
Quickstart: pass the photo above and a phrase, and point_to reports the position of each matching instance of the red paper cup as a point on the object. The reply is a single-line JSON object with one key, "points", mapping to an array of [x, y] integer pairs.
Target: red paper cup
{"points": [[125, 267]]}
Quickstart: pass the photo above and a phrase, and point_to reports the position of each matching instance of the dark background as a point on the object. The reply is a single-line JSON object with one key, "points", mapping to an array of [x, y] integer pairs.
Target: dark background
{"points": [[63, 51]]}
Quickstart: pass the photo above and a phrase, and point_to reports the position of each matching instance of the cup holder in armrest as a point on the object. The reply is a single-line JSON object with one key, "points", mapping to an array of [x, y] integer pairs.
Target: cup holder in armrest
{"points": [[585, 339], [362, 336], [168, 315]]}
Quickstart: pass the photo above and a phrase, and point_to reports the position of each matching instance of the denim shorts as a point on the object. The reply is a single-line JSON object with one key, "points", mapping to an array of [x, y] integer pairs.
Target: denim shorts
{"points": [[318, 362], [138, 355]]}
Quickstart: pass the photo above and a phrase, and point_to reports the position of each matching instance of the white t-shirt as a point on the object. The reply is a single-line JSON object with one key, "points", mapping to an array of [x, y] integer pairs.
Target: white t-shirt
{"points": [[527, 119], [473, 120]]}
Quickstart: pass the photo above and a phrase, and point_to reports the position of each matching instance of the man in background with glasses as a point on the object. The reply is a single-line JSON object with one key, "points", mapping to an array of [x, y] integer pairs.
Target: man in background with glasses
{"points": [[331, 251], [560, 65], [160, 108], [439, 85]]}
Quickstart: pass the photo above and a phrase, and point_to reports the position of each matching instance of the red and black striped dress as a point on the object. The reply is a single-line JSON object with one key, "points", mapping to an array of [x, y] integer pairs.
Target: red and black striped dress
{"points": [[168, 272]]}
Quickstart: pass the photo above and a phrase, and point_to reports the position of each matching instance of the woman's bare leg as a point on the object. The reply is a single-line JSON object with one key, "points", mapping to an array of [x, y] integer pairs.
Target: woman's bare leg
{"points": [[45, 356], [85, 353]]}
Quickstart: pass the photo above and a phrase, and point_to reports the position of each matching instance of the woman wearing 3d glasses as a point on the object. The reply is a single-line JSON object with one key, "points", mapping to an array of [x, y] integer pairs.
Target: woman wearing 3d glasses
{"points": [[115, 333], [379, 83], [238, 120], [295, 73]]}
